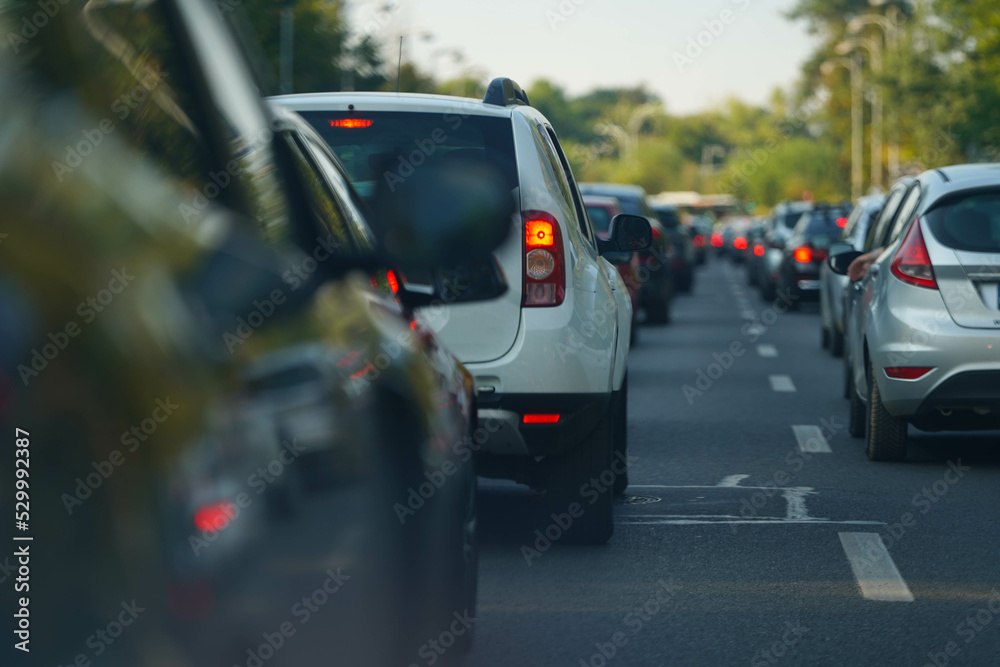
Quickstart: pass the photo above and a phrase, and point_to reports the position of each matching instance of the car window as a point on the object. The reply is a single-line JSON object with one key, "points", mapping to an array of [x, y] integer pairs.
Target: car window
{"points": [[970, 222], [906, 212], [877, 231], [574, 193], [388, 146], [600, 218]]}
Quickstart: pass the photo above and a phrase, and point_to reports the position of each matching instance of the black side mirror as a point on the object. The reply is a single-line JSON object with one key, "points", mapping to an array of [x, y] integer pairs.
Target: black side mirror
{"points": [[630, 233], [444, 213], [472, 280], [841, 256]]}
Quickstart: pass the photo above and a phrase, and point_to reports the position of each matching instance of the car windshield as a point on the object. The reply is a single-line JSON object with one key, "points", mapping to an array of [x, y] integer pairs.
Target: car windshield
{"points": [[791, 219], [390, 146], [668, 217], [823, 226], [971, 223]]}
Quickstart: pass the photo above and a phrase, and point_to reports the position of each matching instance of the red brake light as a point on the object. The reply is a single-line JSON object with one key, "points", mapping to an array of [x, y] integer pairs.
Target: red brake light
{"points": [[214, 517], [393, 282], [740, 243], [656, 234], [907, 372], [538, 233], [544, 265], [717, 240], [841, 222], [541, 419], [699, 241], [912, 264], [803, 255], [351, 123], [758, 250]]}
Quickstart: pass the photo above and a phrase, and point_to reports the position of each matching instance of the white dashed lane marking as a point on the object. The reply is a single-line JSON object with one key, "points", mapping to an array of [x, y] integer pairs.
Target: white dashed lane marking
{"points": [[781, 383], [811, 439], [877, 575], [767, 350], [732, 480]]}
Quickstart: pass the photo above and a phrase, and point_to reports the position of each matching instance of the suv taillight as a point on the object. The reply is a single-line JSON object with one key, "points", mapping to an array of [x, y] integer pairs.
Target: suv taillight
{"points": [[912, 264], [544, 265]]}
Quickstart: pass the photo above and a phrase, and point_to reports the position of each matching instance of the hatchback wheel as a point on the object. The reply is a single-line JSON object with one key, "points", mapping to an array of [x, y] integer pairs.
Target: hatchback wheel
{"points": [[886, 435]]}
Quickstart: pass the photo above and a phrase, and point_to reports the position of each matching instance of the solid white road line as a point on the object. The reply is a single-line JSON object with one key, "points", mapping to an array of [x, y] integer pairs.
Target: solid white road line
{"points": [[781, 383], [873, 568], [732, 480], [647, 520], [767, 350], [810, 439]]}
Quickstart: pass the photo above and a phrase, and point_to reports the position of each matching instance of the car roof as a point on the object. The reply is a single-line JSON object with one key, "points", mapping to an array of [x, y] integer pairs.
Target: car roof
{"points": [[947, 180], [368, 101]]}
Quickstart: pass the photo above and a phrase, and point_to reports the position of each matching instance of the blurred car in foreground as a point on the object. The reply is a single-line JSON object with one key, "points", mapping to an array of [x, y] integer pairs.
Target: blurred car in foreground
{"points": [[209, 329], [658, 286], [806, 250], [833, 286], [550, 357], [682, 260], [931, 312], [602, 210]]}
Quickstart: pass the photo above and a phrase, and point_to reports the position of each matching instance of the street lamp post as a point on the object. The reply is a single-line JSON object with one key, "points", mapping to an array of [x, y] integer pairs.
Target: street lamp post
{"points": [[853, 64], [874, 48]]}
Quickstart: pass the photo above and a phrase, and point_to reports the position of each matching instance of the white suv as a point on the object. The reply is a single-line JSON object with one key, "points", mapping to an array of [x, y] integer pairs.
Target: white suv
{"points": [[550, 357]]}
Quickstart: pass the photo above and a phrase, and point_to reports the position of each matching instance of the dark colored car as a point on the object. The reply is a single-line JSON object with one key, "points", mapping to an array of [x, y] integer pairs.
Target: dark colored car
{"points": [[601, 211], [683, 259], [701, 237], [658, 287], [785, 216], [241, 449], [753, 256], [807, 249]]}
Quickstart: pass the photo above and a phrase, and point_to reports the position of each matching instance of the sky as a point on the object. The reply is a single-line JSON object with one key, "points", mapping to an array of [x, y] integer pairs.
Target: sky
{"points": [[693, 53]]}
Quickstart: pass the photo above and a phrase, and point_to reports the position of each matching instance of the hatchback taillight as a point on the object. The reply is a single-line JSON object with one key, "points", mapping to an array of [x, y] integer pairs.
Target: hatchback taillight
{"points": [[912, 263], [544, 264]]}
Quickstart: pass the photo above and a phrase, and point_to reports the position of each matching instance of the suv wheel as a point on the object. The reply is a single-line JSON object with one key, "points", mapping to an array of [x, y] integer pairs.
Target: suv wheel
{"points": [[575, 470], [858, 416], [886, 435], [619, 411]]}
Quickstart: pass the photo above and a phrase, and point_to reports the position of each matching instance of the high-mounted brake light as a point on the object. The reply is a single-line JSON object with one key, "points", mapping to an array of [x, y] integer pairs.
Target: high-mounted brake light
{"points": [[803, 255], [907, 372], [540, 419], [544, 263], [912, 264], [740, 243], [351, 123], [841, 222]]}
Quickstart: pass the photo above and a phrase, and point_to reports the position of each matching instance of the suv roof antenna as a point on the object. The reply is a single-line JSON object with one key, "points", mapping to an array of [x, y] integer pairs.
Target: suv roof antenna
{"points": [[399, 63]]}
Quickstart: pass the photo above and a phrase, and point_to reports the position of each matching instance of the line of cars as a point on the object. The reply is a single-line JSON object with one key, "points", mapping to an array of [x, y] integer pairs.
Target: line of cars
{"points": [[920, 312], [357, 302]]}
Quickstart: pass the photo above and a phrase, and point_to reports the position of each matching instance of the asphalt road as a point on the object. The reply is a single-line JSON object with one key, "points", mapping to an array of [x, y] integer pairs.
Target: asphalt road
{"points": [[746, 540]]}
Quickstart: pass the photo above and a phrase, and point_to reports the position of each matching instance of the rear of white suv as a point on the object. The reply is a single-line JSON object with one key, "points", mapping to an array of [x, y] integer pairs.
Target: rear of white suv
{"points": [[550, 358]]}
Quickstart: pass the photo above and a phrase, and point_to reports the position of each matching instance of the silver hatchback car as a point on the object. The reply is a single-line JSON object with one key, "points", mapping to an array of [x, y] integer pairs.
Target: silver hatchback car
{"points": [[926, 338]]}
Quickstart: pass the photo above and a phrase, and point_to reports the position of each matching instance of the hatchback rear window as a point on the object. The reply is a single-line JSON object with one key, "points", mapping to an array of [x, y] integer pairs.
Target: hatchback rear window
{"points": [[390, 145], [970, 223]]}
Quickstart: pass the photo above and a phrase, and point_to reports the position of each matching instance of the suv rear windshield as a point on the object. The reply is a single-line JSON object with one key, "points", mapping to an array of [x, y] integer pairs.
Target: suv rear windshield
{"points": [[789, 220], [391, 145], [970, 223]]}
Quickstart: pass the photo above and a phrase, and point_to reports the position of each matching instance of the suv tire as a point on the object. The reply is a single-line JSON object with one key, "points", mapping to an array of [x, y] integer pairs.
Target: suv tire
{"points": [[576, 469]]}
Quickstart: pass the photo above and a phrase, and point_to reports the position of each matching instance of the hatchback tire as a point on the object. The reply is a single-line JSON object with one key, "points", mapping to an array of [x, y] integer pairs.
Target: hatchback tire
{"points": [[885, 434]]}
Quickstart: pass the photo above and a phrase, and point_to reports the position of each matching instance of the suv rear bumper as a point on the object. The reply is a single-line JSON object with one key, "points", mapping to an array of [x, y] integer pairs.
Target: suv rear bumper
{"points": [[500, 418]]}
